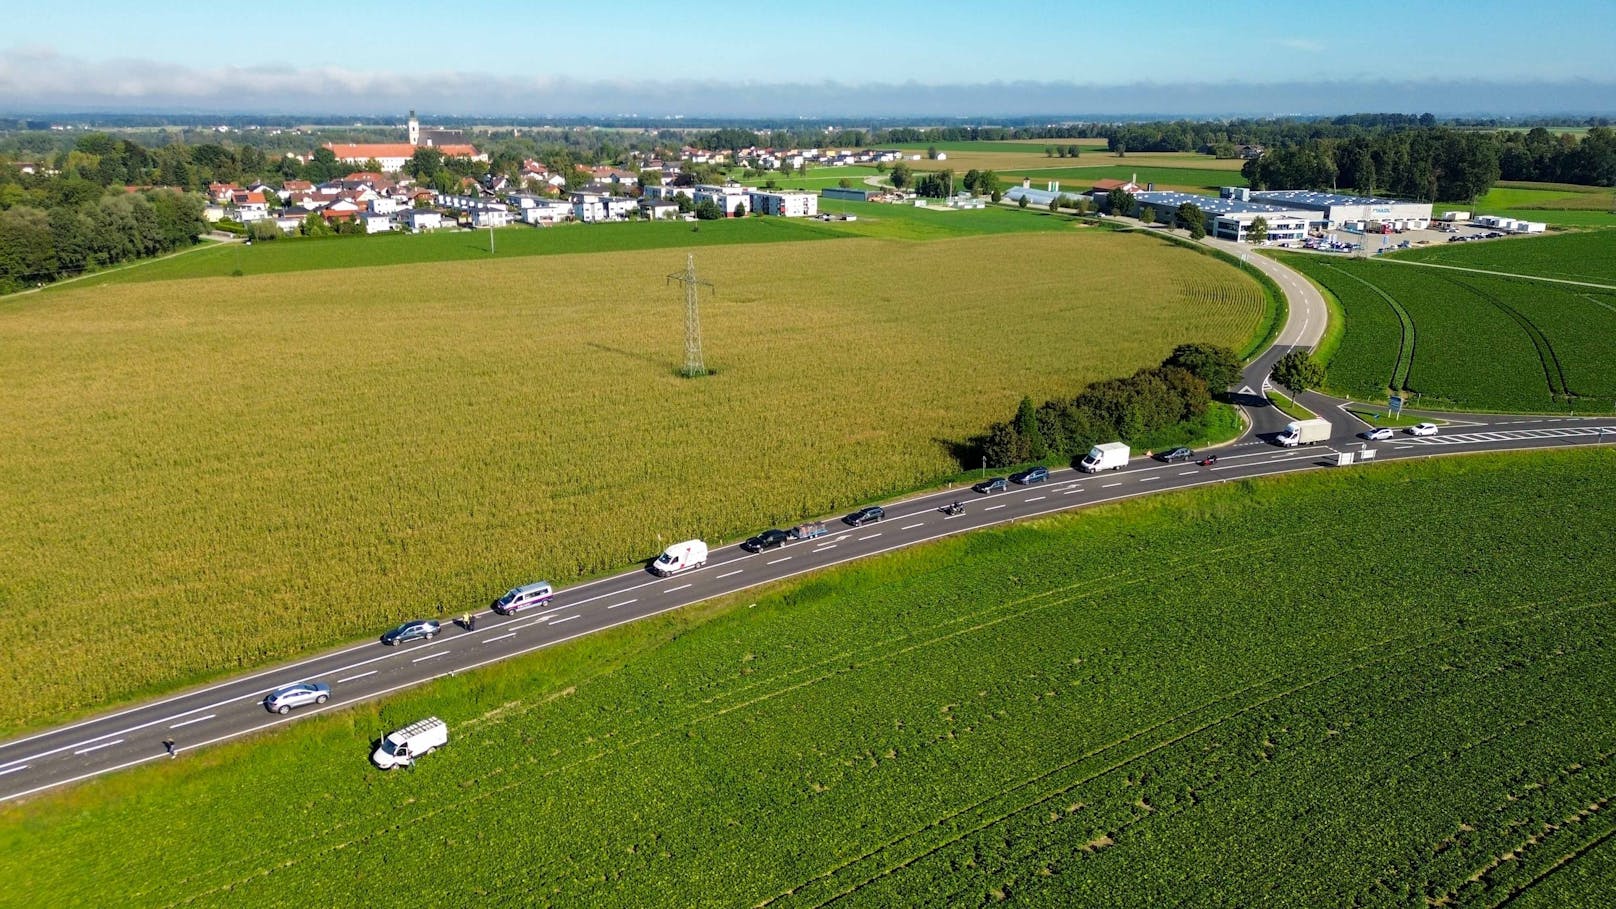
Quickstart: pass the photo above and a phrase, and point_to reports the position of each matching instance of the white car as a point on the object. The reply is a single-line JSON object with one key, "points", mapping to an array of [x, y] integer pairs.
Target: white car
{"points": [[1422, 429], [1378, 434]]}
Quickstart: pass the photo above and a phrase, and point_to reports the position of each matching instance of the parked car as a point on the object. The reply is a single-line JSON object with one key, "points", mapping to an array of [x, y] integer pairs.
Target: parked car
{"points": [[1029, 477], [282, 700], [1176, 455], [1422, 429], [424, 629], [994, 484], [519, 598], [768, 539], [866, 515], [1378, 434]]}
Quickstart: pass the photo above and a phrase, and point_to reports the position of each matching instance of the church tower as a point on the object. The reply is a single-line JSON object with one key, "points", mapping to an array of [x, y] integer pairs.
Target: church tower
{"points": [[415, 129]]}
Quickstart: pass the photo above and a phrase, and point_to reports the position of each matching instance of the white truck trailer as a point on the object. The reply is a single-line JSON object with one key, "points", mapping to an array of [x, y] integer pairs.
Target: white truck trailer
{"points": [[1304, 432], [1105, 456], [678, 557], [401, 748]]}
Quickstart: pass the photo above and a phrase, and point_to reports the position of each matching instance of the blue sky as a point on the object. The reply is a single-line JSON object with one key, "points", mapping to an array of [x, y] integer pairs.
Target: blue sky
{"points": [[831, 51]]}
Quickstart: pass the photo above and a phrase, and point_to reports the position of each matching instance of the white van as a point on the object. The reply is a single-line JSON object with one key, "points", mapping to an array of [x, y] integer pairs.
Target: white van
{"points": [[524, 597], [1105, 456], [679, 556], [401, 748]]}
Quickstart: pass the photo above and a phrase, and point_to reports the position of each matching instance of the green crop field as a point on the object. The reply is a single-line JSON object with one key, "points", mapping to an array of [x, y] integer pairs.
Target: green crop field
{"points": [[1376, 688], [1466, 340], [295, 254], [254, 466], [1079, 179], [1587, 256], [938, 222], [1559, 204]]}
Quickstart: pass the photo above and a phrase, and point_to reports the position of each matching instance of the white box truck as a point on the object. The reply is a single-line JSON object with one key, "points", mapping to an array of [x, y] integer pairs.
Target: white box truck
{"points": [[1105, 456], [679, 556], [401, 748], [1304, 432]]}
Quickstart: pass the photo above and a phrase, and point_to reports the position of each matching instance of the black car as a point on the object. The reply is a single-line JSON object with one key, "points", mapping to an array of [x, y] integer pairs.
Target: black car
{"points": [[409, 631], [1176, 455], [866, 515], [768, 539], [1029, 477], [996, 484]]}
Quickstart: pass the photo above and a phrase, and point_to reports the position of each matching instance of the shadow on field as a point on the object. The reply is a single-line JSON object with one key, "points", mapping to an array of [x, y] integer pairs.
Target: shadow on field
{"points": [[647, 359], [967, 453]]}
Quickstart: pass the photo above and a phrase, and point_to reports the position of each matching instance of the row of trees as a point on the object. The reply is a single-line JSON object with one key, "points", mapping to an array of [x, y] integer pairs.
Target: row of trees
{"points": [[1133, 408], [38, 245], [1427, 164]]}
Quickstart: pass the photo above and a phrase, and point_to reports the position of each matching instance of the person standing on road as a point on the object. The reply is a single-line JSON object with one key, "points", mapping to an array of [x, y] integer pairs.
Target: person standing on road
{"points": [[465, 620], [471, 621], [168, 746]]}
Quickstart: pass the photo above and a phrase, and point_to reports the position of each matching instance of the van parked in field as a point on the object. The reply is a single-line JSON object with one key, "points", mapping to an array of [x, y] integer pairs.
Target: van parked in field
{"points": [[524, 597], [401, 748]]}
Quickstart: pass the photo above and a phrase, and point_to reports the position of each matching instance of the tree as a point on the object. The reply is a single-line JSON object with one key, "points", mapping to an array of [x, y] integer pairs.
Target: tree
{"points": [[931, 152], [1119, 202], [845, 183], [1022, 202], [740, 209], [1027, 429], [1072, 151], [1258, 232], [1214, 364], [1190, 217], [901, 175], [371, 166], [1054, 204], [970, 179], [987, 184], [708, 210], [1147, 214], [1298, 372]]}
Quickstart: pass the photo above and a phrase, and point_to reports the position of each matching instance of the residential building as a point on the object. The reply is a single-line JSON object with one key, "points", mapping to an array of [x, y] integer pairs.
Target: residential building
{"points": [[421, 219], [785, 203], [728, 197]]}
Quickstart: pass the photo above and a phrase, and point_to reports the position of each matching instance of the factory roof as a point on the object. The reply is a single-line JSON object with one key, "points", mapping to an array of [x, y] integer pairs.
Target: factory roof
{"points": [[1312, 199], [1211, 205]]}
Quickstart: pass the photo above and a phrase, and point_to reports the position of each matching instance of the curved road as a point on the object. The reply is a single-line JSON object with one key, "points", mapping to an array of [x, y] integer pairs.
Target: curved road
{"points": [[231, 708]]}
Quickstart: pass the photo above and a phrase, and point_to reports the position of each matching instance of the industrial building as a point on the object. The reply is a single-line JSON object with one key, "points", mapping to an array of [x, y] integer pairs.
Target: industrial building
{"points": [[1331, 211], [849, 193], [1230, 219]]}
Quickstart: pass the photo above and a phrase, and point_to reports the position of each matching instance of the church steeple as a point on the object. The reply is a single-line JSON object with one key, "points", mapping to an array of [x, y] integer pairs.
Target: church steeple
{"points": [[415, 129]]}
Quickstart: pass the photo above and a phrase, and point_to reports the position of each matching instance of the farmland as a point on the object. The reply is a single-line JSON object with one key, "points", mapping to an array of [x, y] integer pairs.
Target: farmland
{"points": [[1587, 256], [1562, 204], [255, 466], [1197, 699], [1466, 340]]}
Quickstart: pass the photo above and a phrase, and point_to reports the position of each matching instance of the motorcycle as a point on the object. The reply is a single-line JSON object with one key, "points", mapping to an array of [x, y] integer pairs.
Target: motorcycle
{"points": [[951, 510], [1208, 461]]}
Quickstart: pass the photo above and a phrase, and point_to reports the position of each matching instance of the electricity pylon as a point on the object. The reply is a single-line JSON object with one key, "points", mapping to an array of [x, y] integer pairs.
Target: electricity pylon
{"points": [[693, 363]]}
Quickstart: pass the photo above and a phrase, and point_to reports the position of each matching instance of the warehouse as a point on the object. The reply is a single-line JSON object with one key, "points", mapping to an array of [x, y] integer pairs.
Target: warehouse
{"points": [[1230, 219], [1333, 210]]}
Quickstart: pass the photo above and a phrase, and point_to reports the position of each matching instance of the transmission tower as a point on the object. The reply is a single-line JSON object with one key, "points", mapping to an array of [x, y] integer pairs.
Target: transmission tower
{"points": [[693, 286]]}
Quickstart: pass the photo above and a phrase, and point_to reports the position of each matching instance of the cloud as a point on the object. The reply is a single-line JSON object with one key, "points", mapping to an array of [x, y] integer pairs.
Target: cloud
{"points": [[1302, 44], [41, 80]]}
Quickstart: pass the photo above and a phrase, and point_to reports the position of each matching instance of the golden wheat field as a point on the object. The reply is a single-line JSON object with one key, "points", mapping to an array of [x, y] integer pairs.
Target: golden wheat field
{"points": [[209, 474]]}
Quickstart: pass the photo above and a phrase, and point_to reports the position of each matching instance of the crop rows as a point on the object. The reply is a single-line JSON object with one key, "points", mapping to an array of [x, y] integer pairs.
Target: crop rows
{"points": [[1482, 342], [251, 467], [1198, 699]]}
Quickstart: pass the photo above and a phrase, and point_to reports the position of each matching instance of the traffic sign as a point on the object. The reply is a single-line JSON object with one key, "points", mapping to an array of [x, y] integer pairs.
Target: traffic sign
{"points": [[1394, 405]]}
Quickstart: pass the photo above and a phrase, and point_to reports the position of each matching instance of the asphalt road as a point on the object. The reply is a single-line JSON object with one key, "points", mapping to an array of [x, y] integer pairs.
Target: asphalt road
{"points": [[201, 716]]}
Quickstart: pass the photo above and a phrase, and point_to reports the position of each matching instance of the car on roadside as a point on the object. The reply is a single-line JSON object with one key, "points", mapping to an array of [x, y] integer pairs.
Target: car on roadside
{"points": [[1378, 434], [524, 597], [1029, 477], [282, 700], [993, 484], [1178, 454], [420, 629], [768, 539], [866, 515], [1422, 429]]}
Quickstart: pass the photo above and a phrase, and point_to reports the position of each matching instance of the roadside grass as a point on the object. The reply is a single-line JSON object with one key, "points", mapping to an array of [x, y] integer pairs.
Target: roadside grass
{"points": [[255, 467], [1219, 425], [1288, 407], [1131, 705], [1382, 417]]}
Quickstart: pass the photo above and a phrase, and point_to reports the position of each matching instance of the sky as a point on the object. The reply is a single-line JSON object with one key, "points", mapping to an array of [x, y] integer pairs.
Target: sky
{"points": [[815, 59]]}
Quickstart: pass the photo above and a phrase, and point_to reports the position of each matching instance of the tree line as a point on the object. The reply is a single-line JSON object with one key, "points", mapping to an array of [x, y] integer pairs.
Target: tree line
{"points": [[1130, 409]]}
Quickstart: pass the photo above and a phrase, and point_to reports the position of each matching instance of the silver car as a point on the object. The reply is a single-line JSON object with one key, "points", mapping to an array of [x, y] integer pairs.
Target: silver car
{"points": [[282, 700]]}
